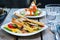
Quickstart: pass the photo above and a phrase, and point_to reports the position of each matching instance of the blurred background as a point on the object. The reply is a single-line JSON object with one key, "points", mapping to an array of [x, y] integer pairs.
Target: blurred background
{"points": [[25, 3]]}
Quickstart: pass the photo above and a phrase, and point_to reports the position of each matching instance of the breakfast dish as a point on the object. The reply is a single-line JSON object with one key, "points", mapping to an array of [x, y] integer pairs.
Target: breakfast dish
{"points": [[31, 12], [23, 27]]}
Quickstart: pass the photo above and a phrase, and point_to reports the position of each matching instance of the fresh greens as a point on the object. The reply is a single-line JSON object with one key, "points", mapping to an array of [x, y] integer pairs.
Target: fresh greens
{"points": [[7, 29], [15, 26], [36, 13]]}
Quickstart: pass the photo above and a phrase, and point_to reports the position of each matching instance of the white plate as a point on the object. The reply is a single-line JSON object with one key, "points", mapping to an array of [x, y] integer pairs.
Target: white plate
{"points": [[26, 34], [41, 15]]}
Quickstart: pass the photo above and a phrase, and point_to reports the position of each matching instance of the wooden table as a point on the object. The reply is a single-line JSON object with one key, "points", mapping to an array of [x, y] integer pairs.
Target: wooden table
{"points": [[44, 35]]}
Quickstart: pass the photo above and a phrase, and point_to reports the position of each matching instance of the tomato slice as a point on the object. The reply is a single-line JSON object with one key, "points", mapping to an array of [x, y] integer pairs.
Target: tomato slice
{"points": [[34, 8], [31, 10], [10, 25]]}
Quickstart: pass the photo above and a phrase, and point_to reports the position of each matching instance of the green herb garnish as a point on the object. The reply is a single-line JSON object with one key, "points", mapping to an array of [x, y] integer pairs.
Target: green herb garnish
{"points": [[15, 26]]}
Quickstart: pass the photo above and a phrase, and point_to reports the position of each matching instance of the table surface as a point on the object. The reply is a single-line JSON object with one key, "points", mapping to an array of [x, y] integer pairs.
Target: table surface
{"points": [[44, 35]]}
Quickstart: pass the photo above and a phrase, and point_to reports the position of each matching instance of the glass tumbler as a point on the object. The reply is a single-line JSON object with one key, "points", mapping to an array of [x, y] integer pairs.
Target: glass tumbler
{"points": [[52, 13], [53, 17]]}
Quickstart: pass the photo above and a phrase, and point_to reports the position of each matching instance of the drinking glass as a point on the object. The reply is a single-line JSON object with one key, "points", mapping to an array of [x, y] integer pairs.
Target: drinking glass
{"points": [[52, 11], [52, 17]]}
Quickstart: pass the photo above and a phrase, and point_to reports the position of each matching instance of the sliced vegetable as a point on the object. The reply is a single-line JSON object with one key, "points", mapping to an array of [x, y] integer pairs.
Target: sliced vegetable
{"points": [[7, 29], [31, 12], [36, 13], [15, 26], [34, 8], [10, 25]]}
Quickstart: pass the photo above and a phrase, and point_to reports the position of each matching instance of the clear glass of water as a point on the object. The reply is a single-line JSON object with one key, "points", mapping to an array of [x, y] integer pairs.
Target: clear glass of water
{"points": [[52, 11], [52, 16]]}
